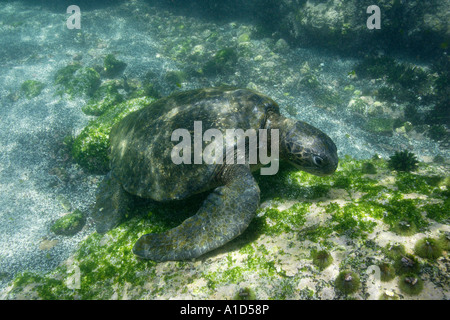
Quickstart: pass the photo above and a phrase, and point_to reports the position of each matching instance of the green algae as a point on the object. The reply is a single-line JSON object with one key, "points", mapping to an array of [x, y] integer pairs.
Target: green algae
{"points": [[409, 183], [284, 289], [316, 233], [31, 88], [235, 274], [43, 287], [439, 212], [277, 221], [108, 266], [404, 216], [357, 219], [69, 224], [290, 184], [97, 108], [113, 67], [65, 75], [76, 80], [104, 269], [104, 98], [351, 220]]}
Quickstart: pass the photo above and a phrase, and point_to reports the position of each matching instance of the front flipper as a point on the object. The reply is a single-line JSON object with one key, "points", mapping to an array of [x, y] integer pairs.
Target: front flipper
{"points": [[224, 215], [111, 204]]}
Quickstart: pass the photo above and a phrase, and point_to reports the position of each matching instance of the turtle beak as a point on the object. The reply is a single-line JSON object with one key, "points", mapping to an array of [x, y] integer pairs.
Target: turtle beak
{"points": [[333, 164]]}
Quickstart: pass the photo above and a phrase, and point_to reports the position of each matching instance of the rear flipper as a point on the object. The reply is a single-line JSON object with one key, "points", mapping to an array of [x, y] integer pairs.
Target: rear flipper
{"points": [[224, 215], [111, 205]]}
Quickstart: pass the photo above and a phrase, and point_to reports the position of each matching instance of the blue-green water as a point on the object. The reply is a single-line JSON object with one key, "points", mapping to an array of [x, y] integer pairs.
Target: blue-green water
{"points": [[169, 45]]}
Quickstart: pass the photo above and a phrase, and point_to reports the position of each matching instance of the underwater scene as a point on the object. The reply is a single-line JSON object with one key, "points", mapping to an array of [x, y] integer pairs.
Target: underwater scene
{"points": [[112, 188]]}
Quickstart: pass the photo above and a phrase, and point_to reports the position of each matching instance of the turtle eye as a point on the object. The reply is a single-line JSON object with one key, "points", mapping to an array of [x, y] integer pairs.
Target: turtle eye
{"points": [[318, 161]]}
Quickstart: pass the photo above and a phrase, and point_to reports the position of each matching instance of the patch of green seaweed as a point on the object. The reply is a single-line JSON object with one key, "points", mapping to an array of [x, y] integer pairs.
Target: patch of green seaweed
{"points": [[76, 80], [31, 88], [45, 287], [69, 224], [113, 67], [107, 264], [290, 184], [350, 220], [423, 184], [106, 97], [439, 212], [287, 220], [404, 216]]}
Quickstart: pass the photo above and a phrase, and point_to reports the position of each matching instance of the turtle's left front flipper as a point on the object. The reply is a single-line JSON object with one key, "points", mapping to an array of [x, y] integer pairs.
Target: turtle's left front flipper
{"points": [[224, 215], [111, 204]]}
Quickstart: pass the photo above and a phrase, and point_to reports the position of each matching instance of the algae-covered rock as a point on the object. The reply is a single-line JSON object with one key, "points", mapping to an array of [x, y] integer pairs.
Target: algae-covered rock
{"points": [[76, 80], [69, 224], [113, 67], [97, 108], [65, 75], [223, 61], [104, 98], [31, 88], [90, 148]]}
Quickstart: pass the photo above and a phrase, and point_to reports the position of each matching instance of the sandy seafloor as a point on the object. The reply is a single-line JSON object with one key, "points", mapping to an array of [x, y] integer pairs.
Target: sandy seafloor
{"points": [[35, 43]]}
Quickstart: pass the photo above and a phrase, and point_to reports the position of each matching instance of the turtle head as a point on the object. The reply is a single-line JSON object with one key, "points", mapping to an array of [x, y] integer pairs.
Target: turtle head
{"points": [[308, 148]]}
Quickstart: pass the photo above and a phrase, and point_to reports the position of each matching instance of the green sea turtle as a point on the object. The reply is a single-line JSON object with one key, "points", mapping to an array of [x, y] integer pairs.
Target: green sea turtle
{"points": [[141, 165]]}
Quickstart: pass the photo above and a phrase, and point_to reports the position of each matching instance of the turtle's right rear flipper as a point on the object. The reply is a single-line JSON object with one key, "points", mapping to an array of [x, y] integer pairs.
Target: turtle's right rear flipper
{"points": [[111, 204]]}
